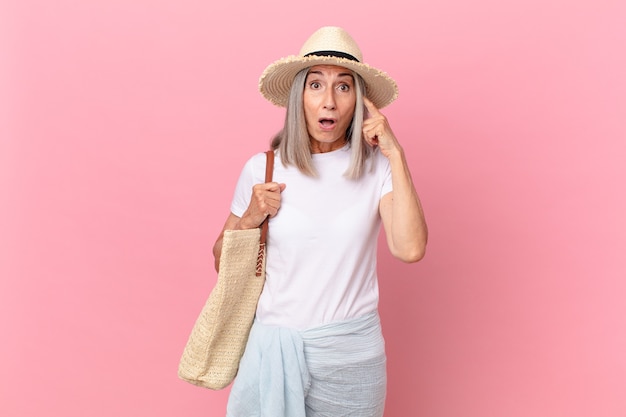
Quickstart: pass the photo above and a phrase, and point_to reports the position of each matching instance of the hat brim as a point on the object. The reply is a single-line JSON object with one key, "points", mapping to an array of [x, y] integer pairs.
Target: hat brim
{"points": [[275, 82]]}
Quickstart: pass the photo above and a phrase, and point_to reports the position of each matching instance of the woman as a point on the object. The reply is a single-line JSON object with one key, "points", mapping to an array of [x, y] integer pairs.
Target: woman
{"points": [[316, 347]]}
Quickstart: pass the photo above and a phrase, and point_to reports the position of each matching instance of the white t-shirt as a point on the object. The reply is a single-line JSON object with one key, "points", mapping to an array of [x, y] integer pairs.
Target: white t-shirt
{"points": [[321, 248]]}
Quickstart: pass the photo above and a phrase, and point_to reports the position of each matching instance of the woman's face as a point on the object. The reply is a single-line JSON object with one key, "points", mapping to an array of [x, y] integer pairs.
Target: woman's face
{"points": [[329, 102]]}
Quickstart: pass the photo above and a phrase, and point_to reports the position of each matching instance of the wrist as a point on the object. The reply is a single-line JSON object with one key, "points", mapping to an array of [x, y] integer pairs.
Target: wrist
{"points": [[396, 154], [250, 220], [245, 223]]}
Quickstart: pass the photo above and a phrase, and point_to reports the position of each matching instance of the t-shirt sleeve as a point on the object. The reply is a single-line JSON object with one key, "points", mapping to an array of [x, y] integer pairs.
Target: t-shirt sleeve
{"points": [[247, 179]]}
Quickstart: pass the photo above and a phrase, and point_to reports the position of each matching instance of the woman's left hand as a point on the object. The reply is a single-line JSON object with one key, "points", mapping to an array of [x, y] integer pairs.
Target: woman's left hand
{"points": [[377, 131], [400, 209]]}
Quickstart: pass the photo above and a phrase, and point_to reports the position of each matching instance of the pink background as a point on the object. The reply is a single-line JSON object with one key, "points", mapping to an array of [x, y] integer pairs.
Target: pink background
{"points": [[123, 127]]}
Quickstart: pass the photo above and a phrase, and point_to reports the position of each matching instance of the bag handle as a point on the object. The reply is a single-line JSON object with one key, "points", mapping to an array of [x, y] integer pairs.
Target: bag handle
{"points": [[269, 170]]}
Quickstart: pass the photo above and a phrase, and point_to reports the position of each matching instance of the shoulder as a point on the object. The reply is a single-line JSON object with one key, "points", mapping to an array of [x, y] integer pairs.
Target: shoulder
{"points": [[256, 159], [255, 165]]}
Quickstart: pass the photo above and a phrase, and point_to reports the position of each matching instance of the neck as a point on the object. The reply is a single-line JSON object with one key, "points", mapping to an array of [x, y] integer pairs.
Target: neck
{"points": [[323, 147]]}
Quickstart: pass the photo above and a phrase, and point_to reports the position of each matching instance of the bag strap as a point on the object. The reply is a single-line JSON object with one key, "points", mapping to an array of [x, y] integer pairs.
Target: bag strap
{"points": [[269, 171]]}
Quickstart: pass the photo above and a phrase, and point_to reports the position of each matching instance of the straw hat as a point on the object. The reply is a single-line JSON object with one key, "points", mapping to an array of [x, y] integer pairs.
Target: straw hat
{"points": [[327, 46]]}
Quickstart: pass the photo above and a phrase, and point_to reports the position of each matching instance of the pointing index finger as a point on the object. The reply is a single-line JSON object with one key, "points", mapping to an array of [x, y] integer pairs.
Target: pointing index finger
{"points": [[371, 108]]}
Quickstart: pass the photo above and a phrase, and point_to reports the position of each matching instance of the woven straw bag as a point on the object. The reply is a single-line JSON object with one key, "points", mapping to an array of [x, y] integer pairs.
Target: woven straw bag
{"points": [[219, 336]]}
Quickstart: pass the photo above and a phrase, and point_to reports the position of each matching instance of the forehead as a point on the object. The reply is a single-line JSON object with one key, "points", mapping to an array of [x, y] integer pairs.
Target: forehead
{"points": [[330, 70]]}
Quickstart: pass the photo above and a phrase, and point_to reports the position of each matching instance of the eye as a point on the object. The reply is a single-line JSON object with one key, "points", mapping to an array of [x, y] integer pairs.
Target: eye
{"points": [[315, 85], [344, 87]]}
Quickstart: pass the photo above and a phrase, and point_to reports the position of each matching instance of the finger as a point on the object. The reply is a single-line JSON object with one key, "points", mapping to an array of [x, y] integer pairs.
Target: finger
{"points": [[371, 108], [273, 187], [269, 186], [272, 207], [370, 138], [274, 192], [272, 199], [373, 130]]}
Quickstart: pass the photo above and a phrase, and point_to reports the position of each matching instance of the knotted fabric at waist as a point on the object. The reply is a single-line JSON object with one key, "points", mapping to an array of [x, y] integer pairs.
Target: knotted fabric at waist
{"points": [[279, 365]]}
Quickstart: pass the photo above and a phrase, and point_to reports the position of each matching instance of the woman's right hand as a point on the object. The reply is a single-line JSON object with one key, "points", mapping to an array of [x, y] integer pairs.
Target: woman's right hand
{"points": [[265, 202]]}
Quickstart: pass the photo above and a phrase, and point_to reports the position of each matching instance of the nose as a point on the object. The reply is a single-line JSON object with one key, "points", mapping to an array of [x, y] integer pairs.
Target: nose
{"points": [[329, 99]]}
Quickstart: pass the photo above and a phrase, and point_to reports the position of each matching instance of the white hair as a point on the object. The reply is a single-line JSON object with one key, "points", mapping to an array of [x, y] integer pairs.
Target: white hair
{"points": [[294, 143]]}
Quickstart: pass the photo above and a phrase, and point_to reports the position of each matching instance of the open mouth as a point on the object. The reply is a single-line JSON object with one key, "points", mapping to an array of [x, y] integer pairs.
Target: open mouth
{"points": [[327, 123]]}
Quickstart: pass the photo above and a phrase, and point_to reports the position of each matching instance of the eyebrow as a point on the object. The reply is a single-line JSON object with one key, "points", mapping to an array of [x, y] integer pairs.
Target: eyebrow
{"points": [[342, 74]]}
